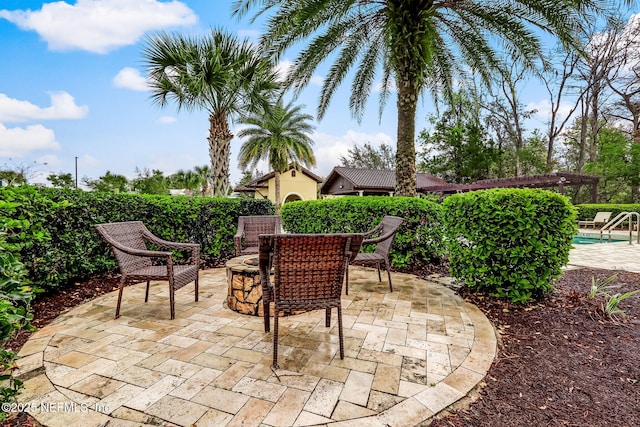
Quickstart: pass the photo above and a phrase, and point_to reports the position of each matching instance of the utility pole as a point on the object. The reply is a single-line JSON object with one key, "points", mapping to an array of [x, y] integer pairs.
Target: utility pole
{"points": [[76, 172]]}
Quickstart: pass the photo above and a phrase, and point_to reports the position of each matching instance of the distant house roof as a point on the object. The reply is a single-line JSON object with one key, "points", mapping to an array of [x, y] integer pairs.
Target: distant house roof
{"points": [[344, 180], [263, 181]]}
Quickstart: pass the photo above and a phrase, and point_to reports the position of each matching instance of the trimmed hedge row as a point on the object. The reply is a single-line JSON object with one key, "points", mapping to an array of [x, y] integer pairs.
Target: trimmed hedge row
{"points": [[68, 248], [509, 242], [418, 241]]}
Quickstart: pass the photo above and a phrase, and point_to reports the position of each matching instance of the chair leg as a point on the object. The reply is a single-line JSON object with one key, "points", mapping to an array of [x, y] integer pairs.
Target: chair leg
{"points": [[196, 290], [327, 318], [275, 339], [266, 315], [346, 281], [172, 301], [379, 276], [146, 294], [388, 275], [119, 297], [340, 332]]}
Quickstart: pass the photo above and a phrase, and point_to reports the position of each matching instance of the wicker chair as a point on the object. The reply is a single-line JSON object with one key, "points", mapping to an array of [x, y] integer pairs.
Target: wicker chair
{"points": [[250, 227], [127, 240], [308, 271], [386, 232]]}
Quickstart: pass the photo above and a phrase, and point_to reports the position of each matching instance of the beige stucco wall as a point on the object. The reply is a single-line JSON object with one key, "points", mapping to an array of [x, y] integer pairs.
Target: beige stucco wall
{"points": [[300, 185]]}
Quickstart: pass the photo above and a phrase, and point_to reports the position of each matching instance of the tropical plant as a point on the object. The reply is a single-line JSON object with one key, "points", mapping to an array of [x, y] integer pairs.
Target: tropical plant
{"points": [[280, 135], [603, 287], [204, 174], [611, 305], [219, 73], [416, 44]]}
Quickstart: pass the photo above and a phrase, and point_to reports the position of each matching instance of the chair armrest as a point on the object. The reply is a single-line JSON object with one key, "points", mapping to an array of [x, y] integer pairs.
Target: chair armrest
{"points": [[165, 244], [379, 238], [372, 231], [140, 252]]}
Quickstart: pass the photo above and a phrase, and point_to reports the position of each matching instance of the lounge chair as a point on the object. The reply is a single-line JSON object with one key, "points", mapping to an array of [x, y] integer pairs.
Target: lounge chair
{"points": [[600, 218]]}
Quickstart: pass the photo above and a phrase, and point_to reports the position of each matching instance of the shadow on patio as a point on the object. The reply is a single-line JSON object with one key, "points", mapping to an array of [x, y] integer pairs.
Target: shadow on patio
{"points": [[408, 355]]}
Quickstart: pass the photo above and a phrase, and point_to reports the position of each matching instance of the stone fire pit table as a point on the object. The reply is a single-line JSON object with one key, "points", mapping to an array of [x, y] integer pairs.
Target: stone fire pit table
{"points": [[245, 291]]}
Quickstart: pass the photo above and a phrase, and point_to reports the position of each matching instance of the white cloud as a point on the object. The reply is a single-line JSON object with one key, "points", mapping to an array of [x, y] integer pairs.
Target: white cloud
{"points": [[543, 110], [63, 106], [167, 120], [329, 148], [18, 142], [130, 78], [316, 80], [283, 68], [100, 26], [252, 35]]}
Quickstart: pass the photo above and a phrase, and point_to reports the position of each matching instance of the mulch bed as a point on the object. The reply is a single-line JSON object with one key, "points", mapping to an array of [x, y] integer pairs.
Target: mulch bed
{"points": [[561, 362]]}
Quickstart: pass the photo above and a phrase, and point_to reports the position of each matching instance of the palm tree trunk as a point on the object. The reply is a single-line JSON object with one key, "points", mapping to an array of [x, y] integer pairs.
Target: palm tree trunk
{"points": [[278, 202], [219, 153], [406, 150]]}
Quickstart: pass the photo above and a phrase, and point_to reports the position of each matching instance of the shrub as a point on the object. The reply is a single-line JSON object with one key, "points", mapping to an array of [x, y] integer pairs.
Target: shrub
{"points": [[15, 300], [509, 242], [418, 241], [64, 246]]}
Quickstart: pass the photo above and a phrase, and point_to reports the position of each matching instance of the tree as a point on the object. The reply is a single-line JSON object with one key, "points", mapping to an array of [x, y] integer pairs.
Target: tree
{"points": [[416, 44], [204, 174], [150, 182], [108, 183], [279, 135], [61, 180], [619, 165], [219, 73], [369, 157], [188, 180], [458, 149]]}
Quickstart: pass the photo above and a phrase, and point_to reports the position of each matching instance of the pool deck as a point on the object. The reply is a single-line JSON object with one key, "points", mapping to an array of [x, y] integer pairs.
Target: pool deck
{"points": [[614, 255], [409, 354]]}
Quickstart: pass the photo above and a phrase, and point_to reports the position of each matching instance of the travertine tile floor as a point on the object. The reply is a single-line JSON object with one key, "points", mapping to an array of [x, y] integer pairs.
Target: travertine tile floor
{"points": [[408, 355]]}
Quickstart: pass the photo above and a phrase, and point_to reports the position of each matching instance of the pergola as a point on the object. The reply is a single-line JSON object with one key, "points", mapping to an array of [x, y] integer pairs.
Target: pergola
{"points": [[557, 180]]}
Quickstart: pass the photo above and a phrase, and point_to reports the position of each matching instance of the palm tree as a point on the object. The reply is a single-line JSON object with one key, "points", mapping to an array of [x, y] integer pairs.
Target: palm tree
{"points": [[279, 134], [204, 173], [416, 45], [219, 73]]}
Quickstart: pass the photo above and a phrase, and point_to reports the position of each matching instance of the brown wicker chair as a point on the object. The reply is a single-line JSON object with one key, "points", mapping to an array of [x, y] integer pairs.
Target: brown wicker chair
{"points": [[386, 232], [250, 227], [308, 271], [127, 240]]}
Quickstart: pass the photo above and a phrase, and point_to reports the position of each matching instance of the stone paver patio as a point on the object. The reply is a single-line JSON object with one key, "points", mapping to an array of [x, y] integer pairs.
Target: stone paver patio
{"points": [[408, 355]]}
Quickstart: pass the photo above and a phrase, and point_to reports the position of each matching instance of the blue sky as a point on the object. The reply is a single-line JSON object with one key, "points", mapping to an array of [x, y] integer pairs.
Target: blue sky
{"points": [[72, 85]]}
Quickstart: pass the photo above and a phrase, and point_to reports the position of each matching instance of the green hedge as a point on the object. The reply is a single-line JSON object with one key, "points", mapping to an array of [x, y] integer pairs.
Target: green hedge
{"points": [[15, 300], [509, 242], [68, 247], [418, 241]]}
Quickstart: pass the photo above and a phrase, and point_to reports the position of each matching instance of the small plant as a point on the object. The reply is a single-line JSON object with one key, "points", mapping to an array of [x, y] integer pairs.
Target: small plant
{"points": [[611, 305], [602, 288]]}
